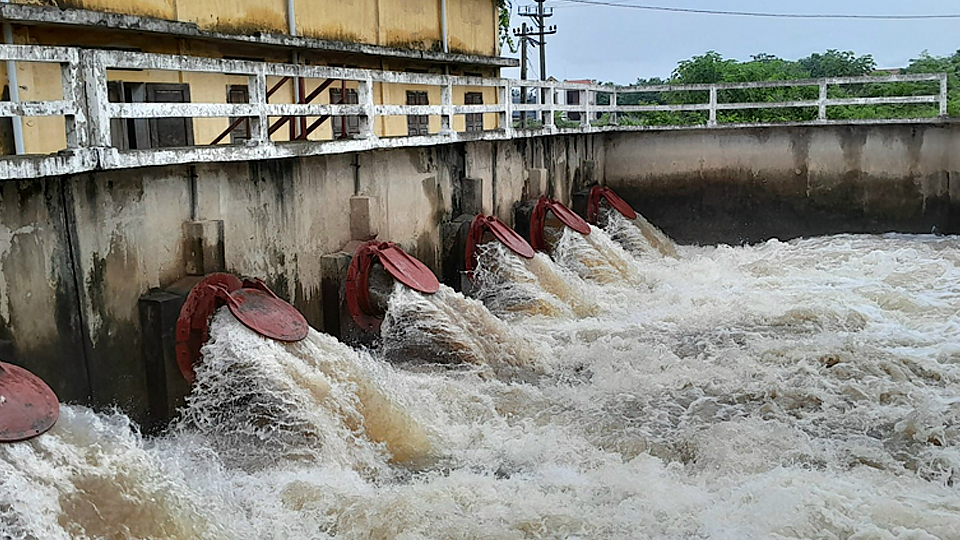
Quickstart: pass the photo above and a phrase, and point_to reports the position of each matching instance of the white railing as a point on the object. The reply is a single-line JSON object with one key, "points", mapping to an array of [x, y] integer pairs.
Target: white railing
{"points": [[88, 112]]}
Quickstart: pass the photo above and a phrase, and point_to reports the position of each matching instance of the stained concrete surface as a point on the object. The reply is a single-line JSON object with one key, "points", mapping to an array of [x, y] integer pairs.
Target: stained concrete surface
{"points": [[79, 252]]}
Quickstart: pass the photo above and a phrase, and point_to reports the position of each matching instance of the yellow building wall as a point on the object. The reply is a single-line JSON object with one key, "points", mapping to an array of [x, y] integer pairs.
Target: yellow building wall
{"points": [[235, 16], [472, 26], [41, 134], [410, 24], [339, 20], [400, 23]]}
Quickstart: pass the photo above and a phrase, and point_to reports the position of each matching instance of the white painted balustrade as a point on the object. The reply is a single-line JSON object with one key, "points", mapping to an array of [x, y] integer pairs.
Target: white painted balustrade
{"points": [[88, 111]]}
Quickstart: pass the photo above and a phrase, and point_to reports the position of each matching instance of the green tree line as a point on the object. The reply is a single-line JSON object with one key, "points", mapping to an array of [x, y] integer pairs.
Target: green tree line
{"points": [[711, 68]]}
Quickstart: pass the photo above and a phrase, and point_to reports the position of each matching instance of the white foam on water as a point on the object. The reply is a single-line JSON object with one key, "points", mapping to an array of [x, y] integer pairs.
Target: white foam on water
{"points": [[636, 236], [799, 390], [513, 287], [447, 327], [596, 257]]}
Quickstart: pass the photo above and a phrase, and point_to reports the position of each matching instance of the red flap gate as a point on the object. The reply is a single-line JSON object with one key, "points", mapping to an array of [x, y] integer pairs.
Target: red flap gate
{"points": [[614, 200], [564, 214], [28, 407], [507, 236], [398, 263], [250, 301]]}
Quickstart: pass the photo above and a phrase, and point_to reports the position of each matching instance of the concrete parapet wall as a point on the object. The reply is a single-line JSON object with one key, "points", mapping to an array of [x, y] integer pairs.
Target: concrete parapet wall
{"points": [[78, 252], [751, 184]]}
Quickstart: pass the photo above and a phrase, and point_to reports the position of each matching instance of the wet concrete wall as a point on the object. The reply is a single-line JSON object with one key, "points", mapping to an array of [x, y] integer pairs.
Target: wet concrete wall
{"points": [[748, 185], [78, 252]]}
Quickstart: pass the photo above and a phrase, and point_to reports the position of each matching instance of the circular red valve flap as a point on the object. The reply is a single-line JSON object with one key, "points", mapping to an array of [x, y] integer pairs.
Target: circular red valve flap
{"points": [[614, 200], [28, 407], [564, 214], [267, 315], [569, 218], [507, 236], [397, 263], [193, 325], [357, 289], [408, 270]]}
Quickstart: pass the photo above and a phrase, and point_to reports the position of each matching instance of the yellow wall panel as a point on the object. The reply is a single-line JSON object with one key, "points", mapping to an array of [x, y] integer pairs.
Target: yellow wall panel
{"points": [[410, 24], [235, 16], [339, 20], [41, 82], [472, 26]]}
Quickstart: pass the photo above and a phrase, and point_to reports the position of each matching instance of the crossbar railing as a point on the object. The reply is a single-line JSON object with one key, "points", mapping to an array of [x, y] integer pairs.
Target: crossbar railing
{"points": [[88, 111]]}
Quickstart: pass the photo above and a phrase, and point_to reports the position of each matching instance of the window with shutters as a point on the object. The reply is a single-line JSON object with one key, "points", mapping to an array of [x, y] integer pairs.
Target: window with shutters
{"points": [[119, 134], [238, 93], [345, 126], [140, 133], [573, 98], [418, 124], [169, 132], [474, 120]]}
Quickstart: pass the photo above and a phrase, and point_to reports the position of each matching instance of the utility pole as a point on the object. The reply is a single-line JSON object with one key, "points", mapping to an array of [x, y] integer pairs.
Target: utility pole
{"points": [[524, 34], [539, 16]]}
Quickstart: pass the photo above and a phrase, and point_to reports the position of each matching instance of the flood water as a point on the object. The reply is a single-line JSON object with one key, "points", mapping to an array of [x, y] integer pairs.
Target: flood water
{"points": [[631, 389]]}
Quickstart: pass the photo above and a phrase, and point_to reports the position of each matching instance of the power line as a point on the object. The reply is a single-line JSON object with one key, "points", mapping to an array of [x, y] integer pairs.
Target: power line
{"points": [[765, 14]]}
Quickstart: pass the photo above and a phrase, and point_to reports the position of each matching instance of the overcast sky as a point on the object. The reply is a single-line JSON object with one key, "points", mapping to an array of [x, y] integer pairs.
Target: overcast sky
{"points": [[619, 44]]}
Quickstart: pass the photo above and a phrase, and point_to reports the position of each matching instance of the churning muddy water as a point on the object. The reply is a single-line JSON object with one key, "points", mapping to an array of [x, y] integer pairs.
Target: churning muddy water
{"points": [[787, 390]]}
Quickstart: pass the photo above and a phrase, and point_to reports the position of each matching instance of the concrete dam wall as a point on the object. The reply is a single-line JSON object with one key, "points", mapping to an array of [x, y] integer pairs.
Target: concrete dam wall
{"points": [[752, 184], [78, 253], [84, 257]]}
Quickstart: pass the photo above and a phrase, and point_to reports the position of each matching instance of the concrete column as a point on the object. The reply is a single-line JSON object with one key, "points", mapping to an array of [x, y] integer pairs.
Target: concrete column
{"points": [[712, 122], [822, 101], [166, 387], [94, 75], [365, 99], [257, 93], [613, 114], [471, 196], [453, 234], [536, 184], [364, 222], [205, 250], [505, 99], [446, 101], [333, 269]]}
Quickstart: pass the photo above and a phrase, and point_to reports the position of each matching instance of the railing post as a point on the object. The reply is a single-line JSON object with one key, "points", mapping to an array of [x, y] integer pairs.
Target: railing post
{"points": [[943, 95], [822, 101], [614, 121], [94, 75], [260, 124], [505, 96], [712, 122], [72, 84], [549, 95], [446, 102], [365, 98], [586, 108]]}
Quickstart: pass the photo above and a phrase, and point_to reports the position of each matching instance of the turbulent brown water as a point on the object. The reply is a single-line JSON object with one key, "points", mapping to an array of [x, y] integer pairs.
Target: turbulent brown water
{"points": [[801, 390]]}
